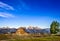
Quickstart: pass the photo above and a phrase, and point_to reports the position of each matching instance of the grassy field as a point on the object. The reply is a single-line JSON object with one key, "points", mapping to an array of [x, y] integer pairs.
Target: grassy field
{"points": [[28, 38]]}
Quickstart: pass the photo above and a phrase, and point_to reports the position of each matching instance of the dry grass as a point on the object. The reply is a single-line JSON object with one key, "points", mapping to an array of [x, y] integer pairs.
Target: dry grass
{"points": [[28, 38]]}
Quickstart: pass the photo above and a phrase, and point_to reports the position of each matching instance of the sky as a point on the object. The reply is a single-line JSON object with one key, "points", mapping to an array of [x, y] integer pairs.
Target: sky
{"points": [[16, 13]]}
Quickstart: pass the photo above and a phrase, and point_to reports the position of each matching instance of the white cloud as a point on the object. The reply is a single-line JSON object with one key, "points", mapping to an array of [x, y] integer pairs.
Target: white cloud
{"points": [[6, 6], [6, 15]]}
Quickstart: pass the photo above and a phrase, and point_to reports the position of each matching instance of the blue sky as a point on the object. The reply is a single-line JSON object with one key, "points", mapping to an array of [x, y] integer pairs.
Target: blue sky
{"points": [[41, 13]]}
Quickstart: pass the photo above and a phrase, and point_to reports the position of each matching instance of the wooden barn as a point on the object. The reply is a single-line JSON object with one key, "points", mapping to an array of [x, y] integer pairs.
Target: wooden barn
{"points": [[21, 31]]}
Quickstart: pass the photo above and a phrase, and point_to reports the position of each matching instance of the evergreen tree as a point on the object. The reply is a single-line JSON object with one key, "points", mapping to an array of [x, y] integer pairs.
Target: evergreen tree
{"points": [[54, 27]]}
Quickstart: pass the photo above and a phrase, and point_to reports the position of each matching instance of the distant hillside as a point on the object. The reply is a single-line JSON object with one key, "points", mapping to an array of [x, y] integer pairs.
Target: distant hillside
{"points": [[38, 31], [30, 31], [7, 30]]}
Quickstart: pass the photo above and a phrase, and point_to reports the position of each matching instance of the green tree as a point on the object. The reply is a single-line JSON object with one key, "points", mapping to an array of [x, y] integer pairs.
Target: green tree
{"points": [[54, 27]]}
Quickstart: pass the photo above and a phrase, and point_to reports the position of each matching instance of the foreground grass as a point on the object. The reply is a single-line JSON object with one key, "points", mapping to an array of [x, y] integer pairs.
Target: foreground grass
{"points": [[39, 39], [28, 38]]}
